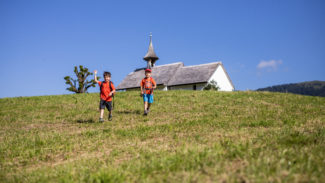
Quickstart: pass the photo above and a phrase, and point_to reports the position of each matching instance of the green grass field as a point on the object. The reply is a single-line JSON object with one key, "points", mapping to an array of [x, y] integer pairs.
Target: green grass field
{"points": [[189, 136]]}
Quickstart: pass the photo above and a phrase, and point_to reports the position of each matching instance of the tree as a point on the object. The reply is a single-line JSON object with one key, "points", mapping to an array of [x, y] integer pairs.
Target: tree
{"points": [[80, 85], [212, 85]]}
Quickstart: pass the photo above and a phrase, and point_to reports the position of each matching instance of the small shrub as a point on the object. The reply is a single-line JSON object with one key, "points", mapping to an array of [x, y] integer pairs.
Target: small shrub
{"points": [[212, 85]]}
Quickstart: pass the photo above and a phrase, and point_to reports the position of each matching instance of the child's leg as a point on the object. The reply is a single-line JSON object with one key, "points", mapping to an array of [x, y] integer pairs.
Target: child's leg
{"points": [[101, 109], [110, 115], [110, 108], [145, 102], [145, 106], [150, 101], [101, 113]]}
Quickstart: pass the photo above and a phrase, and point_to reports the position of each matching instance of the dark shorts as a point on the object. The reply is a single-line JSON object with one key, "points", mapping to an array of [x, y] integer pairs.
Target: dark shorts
{"points": [[103, 104]]}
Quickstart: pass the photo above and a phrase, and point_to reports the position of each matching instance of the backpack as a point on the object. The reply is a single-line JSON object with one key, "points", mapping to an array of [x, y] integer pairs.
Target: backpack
{"points": [[110, 86], [148, 85]]}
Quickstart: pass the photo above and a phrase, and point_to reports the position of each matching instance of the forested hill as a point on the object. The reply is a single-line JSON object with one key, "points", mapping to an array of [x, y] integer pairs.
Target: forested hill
{"points": [[312, 88]]}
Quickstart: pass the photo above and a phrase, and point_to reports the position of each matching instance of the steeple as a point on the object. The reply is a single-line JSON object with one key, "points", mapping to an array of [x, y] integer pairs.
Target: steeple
{"points": [[151, 56]]}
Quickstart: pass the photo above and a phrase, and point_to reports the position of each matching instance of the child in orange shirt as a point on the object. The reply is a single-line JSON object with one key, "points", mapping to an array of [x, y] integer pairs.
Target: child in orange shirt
{"points": [[107, 90], [147, 85]]}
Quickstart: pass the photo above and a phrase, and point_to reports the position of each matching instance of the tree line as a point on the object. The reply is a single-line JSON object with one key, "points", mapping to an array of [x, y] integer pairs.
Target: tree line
{"points": [[312, 88]]}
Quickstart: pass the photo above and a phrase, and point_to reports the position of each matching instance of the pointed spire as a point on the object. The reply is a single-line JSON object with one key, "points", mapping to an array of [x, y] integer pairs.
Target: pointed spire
{"points": [[151, 56]]}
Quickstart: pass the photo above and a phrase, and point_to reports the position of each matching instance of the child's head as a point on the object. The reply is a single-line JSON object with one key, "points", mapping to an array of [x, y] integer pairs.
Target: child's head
{"points": [[107, 76], [147, 73]]}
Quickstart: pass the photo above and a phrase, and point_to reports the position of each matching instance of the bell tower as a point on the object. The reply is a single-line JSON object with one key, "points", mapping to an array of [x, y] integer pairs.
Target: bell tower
{"points": [[151, 56]]}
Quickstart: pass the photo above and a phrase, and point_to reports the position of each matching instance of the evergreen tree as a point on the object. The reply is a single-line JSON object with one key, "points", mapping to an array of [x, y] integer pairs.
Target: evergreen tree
{"points": [[80, 85]]}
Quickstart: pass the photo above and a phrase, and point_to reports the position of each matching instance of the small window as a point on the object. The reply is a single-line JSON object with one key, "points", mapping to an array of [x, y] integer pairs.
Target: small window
{"points": [[194, 87]]}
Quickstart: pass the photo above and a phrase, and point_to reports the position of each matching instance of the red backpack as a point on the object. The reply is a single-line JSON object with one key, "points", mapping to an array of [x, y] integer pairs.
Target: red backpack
{"points": [[148, 85]]}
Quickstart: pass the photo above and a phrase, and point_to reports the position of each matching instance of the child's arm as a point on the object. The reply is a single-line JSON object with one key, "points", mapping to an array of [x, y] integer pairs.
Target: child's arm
{"points": [[113, 90], [110, 94], [154, 84], [95, 76], [141, 87]]}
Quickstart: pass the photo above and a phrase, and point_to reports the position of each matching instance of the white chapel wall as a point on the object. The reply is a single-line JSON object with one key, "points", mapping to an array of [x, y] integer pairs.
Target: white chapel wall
{"points": [[199, 86], [159, 87], [182, 87], [162, 87], [222, 80]]}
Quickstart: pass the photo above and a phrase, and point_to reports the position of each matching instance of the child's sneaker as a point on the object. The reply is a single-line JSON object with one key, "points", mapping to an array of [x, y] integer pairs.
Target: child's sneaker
{"points": [[101, 120], [110, 117], [148, 110], [145, 112]]}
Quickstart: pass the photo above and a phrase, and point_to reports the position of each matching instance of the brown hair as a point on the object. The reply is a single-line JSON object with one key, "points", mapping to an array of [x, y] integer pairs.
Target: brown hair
{"points": [[107, 74]]}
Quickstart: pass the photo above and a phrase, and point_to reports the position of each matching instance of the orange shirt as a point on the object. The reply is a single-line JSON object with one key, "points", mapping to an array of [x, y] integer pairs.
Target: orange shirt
{"points": [[148, 83], [105, 90]]}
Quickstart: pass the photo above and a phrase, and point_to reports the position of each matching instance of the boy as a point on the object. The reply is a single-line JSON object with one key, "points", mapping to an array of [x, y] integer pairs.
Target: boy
{"points": [[107, 90], [147, 85]]}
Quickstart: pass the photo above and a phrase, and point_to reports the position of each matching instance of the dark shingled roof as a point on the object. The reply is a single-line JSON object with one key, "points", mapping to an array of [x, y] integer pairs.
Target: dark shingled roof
{"points": [[173, 74], [193, 74], [162, 74]]}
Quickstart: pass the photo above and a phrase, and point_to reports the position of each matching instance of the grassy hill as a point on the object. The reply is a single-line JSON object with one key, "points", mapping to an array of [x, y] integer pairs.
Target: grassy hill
{"points": [[189, 136]]}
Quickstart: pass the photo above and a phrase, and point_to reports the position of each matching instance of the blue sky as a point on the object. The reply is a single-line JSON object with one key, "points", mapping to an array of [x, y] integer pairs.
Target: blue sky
{"points": [[260, 42]]}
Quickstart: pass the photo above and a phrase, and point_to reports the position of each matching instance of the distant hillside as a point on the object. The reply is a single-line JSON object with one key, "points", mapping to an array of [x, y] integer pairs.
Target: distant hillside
{"points": [[313, 88]]}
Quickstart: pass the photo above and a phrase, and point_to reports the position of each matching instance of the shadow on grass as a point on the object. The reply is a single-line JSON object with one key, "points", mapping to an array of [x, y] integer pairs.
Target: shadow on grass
{"points": [[85, 121], [129, 112]]}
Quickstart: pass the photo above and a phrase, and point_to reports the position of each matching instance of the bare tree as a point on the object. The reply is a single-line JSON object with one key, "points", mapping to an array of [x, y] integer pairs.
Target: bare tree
{"points": [[80, 85]]}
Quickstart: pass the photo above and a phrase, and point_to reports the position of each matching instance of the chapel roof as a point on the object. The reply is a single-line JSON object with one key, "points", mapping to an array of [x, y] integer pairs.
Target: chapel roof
{"points": [[172, 75], [194, 74], [161, 75]]}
